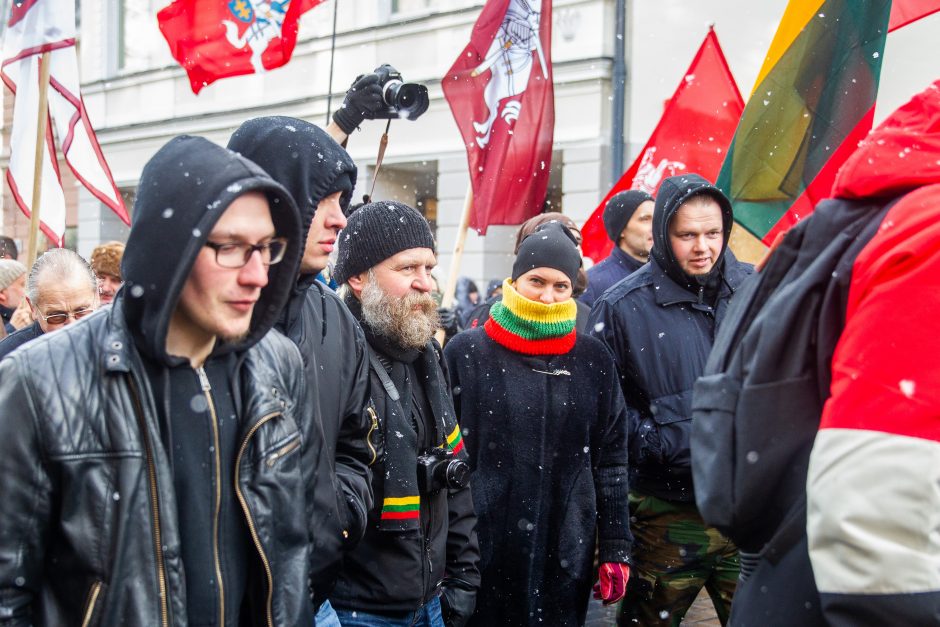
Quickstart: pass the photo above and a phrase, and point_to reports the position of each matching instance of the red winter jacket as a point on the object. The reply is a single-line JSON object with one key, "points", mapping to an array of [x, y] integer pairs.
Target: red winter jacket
{"points": [[873, 488]]}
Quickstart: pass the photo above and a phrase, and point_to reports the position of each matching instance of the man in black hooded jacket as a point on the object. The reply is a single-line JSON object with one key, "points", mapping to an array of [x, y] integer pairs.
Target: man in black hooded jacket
{"points": [[320, 176], [659, 323], [155, 462]]}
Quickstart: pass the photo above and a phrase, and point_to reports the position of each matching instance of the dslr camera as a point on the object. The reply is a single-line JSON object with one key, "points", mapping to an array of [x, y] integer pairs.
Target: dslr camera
{"points": [[439, 469], [401, 99]]}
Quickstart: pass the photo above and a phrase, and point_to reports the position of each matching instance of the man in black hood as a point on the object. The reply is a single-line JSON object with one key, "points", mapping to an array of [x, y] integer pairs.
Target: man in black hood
{"points": [[155, 459], [659, 323], [320, 176]]}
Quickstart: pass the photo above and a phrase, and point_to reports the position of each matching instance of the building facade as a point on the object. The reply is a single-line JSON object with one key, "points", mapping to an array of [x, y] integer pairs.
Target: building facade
{"points": [[138, 97]]}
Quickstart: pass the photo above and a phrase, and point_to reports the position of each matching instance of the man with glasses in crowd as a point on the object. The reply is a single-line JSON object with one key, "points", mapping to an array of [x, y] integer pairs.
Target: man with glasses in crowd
{"points": [[60, 289], [156, 462]]}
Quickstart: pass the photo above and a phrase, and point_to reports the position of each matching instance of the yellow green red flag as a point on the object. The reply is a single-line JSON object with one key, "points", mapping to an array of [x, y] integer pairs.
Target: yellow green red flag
{"points": [[812, 102]]}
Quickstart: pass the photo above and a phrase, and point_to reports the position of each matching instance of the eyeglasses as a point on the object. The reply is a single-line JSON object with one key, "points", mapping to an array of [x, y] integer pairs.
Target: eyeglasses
{"points": [[61, 317], [232, 255]]}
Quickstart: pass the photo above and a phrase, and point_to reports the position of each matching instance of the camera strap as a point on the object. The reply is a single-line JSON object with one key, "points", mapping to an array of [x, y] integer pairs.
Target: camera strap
{"points": [[386, 380], [383, 144]]}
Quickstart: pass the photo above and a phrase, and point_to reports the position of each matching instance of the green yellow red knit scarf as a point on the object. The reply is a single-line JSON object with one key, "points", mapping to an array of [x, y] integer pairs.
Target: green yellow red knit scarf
{"points": [[529, 327]]}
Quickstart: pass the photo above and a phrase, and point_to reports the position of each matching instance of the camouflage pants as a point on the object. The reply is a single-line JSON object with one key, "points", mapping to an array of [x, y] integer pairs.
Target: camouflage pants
{"points": [[674, 555]]}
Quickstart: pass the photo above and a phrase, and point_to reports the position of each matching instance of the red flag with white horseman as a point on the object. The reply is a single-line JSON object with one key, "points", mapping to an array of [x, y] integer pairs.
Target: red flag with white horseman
{"points": [[500, 91], [221, 38], [36, 27], [692, 136]]}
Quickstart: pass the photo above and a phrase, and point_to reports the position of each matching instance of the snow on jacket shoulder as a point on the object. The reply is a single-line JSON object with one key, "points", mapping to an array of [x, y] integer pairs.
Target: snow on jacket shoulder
{"points": [[874, 477]]}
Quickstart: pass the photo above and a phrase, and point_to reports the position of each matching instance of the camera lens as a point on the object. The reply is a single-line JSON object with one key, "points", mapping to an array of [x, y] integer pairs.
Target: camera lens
{"points": [[407, 96], [390, 93], [458, 474]]}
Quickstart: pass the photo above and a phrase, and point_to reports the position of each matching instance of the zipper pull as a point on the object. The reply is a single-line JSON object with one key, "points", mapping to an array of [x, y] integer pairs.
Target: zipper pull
{"points": [[203, 379]]}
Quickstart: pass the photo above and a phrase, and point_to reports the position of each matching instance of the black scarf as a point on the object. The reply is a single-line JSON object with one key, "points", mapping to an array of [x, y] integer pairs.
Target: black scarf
{"points": [[401, 505]]}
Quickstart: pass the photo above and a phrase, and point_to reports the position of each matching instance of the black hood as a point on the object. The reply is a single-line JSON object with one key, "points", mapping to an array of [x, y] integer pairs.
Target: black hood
{"points": [[674, 191], [184, 189], [301, 157]]}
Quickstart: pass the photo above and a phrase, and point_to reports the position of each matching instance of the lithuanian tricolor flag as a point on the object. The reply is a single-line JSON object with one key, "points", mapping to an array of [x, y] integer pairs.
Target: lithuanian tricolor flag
{"points": [[813, 101], [401, 507]]}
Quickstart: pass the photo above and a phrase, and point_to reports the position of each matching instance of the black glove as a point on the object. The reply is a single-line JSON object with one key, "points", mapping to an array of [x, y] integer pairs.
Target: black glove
{"points": [[363, 100], [448, 317], [458, 598]]}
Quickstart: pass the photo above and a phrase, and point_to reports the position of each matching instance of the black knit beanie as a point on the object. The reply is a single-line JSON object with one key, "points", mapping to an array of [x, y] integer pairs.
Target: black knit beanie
{"points": [[550, 246], [377, 231], [620, 208]]}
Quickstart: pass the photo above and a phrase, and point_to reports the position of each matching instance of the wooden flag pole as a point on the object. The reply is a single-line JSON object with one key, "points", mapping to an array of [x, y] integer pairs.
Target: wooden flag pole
{"points": [[37, 166], [447, 299]]}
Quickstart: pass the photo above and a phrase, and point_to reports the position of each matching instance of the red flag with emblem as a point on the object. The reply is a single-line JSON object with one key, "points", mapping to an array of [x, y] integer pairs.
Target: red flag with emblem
{"points": [[214, 39], [500, 92], [692, 136]]}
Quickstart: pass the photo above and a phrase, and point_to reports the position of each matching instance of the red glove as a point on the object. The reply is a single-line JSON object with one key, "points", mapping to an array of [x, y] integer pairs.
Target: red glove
{"points": [[611, 583]]}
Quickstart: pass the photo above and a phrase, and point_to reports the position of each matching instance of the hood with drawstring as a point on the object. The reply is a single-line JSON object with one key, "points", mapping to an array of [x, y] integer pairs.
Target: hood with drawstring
{"points": [[300, 156], [674, 191], [184, 189]]}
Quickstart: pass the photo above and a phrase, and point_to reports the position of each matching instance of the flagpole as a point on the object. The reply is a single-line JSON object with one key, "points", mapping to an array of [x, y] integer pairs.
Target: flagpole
{"points": [[37, 166], [447, 299]]}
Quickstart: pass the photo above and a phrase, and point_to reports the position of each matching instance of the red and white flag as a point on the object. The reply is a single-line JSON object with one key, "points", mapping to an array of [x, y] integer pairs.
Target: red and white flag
{"points": [[500, 92], [693, 135], [35, 27], [903, 12], [214, 39]]}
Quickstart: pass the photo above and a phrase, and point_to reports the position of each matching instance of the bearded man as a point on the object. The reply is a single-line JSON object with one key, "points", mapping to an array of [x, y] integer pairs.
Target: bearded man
{"points": [[417, 563]]}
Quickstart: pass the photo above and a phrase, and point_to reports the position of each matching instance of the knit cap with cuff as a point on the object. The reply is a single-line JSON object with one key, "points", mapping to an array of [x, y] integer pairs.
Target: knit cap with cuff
{"points": [[550, 246], [10, 271], [377, 231], [620, 208]]}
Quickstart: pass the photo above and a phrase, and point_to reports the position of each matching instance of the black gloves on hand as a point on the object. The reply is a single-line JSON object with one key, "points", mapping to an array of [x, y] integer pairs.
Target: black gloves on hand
{"points": [[363, 100], [448, 317], [458, 598]]}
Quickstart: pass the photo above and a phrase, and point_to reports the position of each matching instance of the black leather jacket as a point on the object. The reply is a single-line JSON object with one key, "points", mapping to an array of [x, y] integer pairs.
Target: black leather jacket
{"points": [[88, 531]]}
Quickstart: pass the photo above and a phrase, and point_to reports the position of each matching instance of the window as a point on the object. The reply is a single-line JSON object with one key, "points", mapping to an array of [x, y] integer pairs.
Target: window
{"points": [[139, 43]]}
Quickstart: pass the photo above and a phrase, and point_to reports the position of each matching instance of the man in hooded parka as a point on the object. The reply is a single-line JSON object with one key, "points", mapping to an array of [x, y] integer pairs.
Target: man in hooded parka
{"points": [[154, 459], [320, 176], [659, 323]]}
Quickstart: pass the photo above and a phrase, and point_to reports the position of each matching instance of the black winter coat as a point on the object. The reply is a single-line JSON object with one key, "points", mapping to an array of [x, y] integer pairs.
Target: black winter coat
{"points": [[549, 460], [88, 524], [336, 365], [660, 324], [16, 339], [607, 273], [399, 572]]}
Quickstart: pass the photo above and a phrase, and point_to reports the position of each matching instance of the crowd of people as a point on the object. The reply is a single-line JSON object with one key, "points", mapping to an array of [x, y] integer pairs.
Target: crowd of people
{"points": [[197, 430]]}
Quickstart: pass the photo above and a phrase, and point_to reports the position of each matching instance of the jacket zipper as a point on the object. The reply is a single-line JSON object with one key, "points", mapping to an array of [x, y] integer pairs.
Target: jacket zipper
{"points": [[250, 520], [375, 425], [154, 507], [282, 452], [214, 419], [92, 600]]}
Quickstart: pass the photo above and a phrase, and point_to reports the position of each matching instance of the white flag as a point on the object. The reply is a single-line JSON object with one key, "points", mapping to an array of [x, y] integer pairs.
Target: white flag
{"points": [[35, 27]]}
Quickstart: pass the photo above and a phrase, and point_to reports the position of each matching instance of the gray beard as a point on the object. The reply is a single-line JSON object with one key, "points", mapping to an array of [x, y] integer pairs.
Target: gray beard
{"points": [[396, 319]]}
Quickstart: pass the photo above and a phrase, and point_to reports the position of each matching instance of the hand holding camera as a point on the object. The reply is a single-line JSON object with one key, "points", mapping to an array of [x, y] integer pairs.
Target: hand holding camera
{"points": [[380, 95]]}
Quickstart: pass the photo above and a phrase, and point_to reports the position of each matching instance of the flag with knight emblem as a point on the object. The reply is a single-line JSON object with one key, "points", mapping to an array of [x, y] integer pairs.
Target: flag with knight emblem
{"points": [[500, 92], [36, 27], [692, 136], [214, 39]]}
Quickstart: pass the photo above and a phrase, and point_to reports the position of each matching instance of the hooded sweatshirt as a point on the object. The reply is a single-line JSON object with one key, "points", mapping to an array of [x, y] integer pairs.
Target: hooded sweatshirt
{"points": [[659, 323], [198, 408], [312, 166]]}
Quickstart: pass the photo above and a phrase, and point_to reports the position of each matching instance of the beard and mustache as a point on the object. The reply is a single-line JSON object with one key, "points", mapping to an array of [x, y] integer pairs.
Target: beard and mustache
{"points": [[410, 321]]}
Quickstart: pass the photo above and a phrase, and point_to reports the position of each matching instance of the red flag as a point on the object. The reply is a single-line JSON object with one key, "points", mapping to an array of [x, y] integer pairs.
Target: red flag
{"points": [[48, 26], [692, 136], [903, 12], [220, 38], [500, 91]]}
